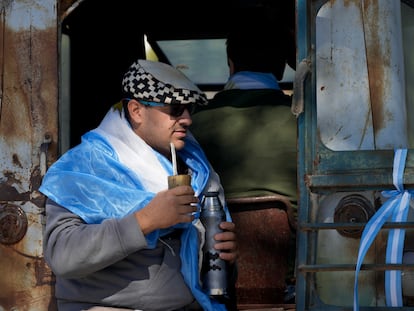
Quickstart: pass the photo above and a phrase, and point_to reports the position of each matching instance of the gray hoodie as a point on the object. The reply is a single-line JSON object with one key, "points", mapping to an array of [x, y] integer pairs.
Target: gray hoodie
{"points": [[108, 264]]}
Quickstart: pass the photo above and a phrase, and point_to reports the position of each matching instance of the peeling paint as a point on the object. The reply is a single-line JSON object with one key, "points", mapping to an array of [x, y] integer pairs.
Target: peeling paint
{"points": [[377, 57], [29, 92], [360, 65]]}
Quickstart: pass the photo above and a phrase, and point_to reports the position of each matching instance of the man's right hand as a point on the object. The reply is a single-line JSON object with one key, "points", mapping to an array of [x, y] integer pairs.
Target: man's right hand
{"points": [[168, 208]]}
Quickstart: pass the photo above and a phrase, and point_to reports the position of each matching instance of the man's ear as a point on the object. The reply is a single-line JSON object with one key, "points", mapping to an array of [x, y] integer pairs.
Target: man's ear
{"points": [[134, 106], [135, 110]]}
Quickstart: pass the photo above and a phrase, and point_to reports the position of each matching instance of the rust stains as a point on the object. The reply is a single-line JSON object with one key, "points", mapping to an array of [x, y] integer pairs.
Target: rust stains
{"points": [[30, 83], [8, 190], [25, 289], [16, 161], [44, 275], [378, 56], [348, 3], [13, 223], [28, 110]]}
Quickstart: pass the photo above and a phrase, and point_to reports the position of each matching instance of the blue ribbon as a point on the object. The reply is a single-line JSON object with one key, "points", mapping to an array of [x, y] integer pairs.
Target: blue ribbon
{"points": [[396, 208]]}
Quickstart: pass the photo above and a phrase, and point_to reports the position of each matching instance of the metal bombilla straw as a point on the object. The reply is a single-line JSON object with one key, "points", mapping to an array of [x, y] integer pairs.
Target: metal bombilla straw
{"points": [[173, 159], [176, 179]]}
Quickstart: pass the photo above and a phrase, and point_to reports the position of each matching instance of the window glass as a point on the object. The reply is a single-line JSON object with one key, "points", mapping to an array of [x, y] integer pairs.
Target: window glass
{"points": [[204, 61]]}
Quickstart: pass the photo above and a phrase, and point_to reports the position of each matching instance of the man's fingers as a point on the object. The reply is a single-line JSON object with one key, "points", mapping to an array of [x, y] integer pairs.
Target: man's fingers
{"points": [[182, 190]]}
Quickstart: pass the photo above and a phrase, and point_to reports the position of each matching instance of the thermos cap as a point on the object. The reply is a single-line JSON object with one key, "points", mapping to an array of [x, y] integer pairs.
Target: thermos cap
{"points": [[211, 194], [211, 201]]}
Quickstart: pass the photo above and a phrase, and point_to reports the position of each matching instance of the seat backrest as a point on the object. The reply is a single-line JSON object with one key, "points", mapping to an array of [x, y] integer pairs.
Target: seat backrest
{"points": [[265, 227], [252, 148]]}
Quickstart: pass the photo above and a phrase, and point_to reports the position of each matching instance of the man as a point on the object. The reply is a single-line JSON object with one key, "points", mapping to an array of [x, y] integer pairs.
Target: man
{"points": [[249, 135], [116, 236], [247, 130]]}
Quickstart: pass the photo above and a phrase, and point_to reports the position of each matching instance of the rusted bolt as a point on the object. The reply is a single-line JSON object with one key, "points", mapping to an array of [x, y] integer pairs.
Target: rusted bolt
{"points": [[13, 223], [353, 209]]}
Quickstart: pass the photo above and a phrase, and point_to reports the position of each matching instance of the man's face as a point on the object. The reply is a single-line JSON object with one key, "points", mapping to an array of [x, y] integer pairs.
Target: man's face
{"points": [[158, 126]]}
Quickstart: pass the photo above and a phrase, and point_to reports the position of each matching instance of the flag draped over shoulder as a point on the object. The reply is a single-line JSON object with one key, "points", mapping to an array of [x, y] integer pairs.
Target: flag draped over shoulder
{"points": [[113, 173]]}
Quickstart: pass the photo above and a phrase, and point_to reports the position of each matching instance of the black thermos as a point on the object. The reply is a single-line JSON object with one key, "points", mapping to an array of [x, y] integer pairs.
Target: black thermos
{"points": [[213, 272]]}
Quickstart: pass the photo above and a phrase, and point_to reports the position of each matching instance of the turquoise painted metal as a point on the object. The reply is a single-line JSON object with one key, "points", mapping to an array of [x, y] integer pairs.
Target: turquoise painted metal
{"points": [[353, 107]]}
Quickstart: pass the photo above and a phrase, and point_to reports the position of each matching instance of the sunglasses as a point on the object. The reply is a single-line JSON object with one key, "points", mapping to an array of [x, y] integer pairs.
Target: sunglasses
{"points": [[174, 110]]}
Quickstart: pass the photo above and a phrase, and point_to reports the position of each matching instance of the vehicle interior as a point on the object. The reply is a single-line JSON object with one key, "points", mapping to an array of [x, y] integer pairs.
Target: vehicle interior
{"points": [[100, 40]]}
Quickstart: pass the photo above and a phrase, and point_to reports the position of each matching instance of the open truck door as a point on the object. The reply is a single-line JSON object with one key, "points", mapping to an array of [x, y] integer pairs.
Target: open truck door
{"points": [[354, 102]]}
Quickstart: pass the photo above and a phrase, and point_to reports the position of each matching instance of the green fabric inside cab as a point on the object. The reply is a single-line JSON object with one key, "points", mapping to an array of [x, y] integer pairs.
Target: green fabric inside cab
{"points": [[250, 138]]}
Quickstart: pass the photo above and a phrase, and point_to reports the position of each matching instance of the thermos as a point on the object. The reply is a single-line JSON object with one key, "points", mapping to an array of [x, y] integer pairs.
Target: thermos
{"points": [[213, 272]]}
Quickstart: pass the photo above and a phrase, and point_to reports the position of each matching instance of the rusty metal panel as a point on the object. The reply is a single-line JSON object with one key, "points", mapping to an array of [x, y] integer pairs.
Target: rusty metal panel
{"points": [[28, 122], [360, 73]]}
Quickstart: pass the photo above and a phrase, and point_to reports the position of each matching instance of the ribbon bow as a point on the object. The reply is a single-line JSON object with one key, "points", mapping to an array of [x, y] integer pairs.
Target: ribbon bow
{"points": [[396, 207]]}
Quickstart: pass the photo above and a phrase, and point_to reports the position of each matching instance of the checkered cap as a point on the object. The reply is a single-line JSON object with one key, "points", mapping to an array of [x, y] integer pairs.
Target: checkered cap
{"points": [[161, 83]]}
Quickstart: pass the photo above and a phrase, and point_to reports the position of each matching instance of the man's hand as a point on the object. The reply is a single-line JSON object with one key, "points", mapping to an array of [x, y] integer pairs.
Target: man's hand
{"points": [[227, 242], [168, 208]]}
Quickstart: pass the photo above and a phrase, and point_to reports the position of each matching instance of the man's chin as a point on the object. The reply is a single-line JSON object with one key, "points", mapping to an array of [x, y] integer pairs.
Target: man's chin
{"points": [[179, 144]]}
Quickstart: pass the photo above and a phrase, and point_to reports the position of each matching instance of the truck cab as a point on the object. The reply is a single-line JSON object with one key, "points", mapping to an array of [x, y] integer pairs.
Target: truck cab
{"points": [[62, 62]]}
